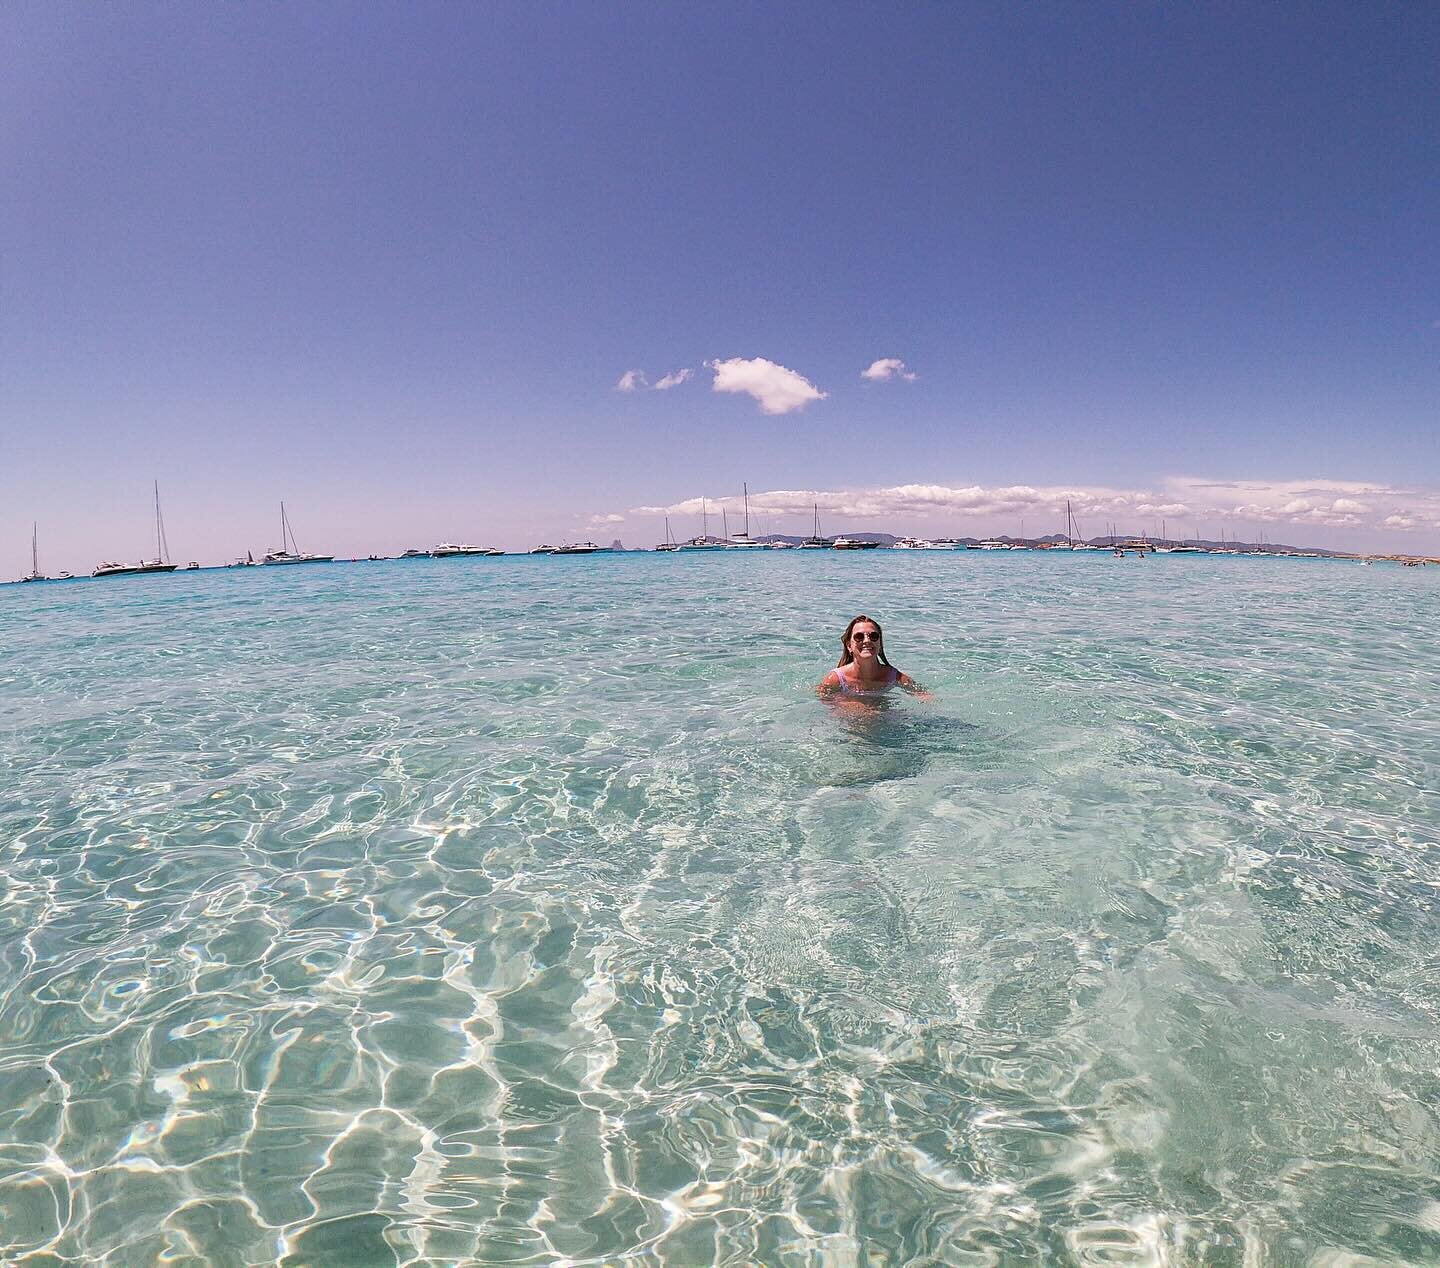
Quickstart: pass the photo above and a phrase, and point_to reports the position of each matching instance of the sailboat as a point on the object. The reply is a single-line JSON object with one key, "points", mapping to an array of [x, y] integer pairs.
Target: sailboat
{"points": [[669, 543], [704, 541], [1072, 531], [815, 541], [35, 573], [743, 541], [286, 555], [161, 562]]}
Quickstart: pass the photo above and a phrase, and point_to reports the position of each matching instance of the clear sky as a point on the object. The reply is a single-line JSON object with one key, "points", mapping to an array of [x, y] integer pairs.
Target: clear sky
{"points": [[397, 264]]}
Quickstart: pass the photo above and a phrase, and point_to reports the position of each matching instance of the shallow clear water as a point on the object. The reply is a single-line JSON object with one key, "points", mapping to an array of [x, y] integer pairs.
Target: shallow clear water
{"points": [[534, 910]]}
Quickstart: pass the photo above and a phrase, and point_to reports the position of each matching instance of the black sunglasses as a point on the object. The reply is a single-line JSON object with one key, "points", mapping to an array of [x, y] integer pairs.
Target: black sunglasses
{"points": [[864, 636]]}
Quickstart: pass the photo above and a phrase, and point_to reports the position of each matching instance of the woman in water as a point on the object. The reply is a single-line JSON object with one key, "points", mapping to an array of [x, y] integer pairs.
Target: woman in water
{"points": [[863, 669]]}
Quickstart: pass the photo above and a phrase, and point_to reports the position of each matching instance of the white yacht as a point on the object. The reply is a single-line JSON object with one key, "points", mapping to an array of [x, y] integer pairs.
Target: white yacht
{"points": [[446, 550], [854, 543], [290, 552], [914, 543], [577, 548], [160, 563], [993, 543]]}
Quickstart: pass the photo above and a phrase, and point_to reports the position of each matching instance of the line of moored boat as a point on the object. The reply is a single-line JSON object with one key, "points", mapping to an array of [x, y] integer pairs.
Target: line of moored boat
{"points": [[289, 552]]}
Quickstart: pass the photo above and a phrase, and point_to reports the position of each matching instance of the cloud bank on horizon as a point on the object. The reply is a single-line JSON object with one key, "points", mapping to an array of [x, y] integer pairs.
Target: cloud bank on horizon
{"points": [[1189, 503]]}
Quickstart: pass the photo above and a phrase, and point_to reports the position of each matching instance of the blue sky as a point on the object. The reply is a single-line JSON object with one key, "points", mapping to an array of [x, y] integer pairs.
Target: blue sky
{"points": [[390, 262]]}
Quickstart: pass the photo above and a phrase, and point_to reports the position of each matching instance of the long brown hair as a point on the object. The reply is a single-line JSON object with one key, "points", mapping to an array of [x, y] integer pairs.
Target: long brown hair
{"points": [[846, 657]]}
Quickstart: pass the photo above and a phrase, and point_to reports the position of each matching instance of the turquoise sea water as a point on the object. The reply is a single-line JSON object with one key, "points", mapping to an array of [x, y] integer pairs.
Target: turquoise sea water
{"points": [[533, 910]]}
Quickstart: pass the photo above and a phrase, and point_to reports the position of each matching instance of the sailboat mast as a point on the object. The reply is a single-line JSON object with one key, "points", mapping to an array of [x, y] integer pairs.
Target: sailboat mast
{"points": [[704, 521], [746, 487], [35, 548]]}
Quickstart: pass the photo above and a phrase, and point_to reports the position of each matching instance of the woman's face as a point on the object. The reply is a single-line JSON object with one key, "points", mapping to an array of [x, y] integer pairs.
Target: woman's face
{"points": [[864, 640]]}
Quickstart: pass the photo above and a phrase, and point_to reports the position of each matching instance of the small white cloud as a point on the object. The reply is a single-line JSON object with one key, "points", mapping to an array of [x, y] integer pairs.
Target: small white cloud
{"points": [[887, 368], [630, 380], [599, 521], [674, 379], [779, 391]]}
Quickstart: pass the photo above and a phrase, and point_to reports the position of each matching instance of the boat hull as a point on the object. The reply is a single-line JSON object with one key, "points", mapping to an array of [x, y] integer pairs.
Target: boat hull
{"points": [[136, 571]]}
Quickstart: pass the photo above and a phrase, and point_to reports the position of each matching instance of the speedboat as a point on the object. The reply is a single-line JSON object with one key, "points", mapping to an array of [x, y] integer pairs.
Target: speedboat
{"points": [[854, 543], [576, 548]]}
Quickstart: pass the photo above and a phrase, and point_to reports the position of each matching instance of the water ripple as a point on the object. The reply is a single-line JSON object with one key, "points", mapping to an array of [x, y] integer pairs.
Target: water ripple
{"points": [[534, 911]]}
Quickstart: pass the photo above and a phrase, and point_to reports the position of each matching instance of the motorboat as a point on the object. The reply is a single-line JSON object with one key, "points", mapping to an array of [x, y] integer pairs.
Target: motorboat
{"points": [[248, 562], [446, 549], [853, 543], [129, 570], [544, 549], [912, 543], [577, 548], [290, 552], [415, 554], [993, 543]]}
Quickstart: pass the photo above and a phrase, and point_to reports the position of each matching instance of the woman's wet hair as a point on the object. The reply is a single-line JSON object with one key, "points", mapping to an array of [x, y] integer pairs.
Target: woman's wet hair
{"points": [[846, 657]]}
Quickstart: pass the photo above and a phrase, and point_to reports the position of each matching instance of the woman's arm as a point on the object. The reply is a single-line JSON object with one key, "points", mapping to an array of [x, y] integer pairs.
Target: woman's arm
{"points": [[829, 684], [907, 683]]}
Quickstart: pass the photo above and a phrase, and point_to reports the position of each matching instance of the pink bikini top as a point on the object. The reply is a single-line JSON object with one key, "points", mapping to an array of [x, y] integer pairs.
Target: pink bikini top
{"points": [[854, 689]]}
